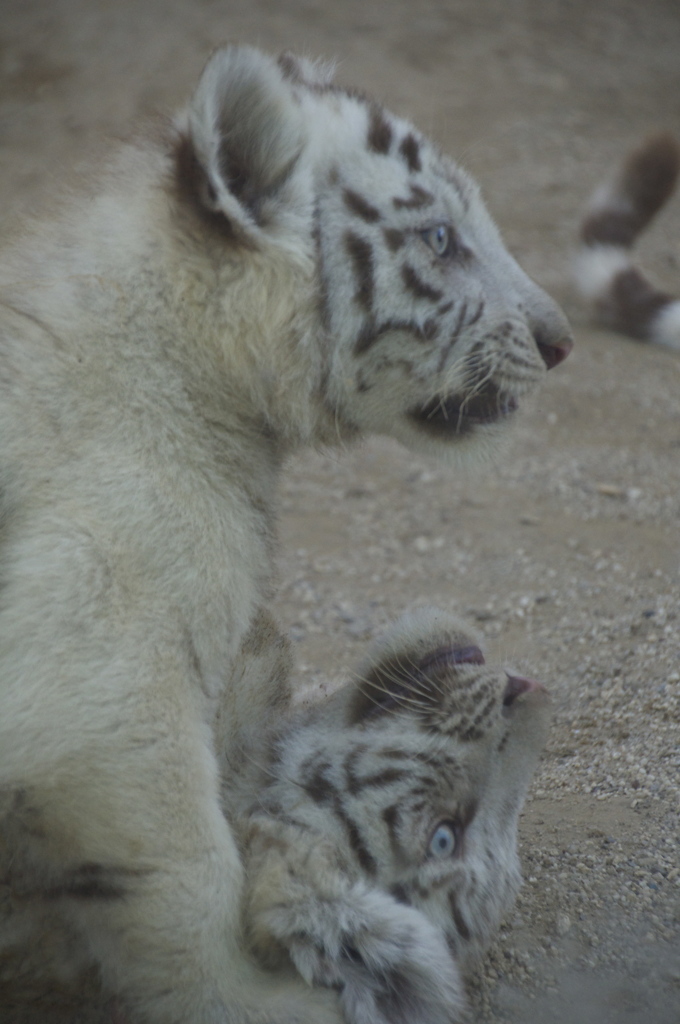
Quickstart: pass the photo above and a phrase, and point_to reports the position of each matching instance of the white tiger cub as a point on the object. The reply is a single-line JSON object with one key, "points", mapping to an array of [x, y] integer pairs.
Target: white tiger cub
{"points": [[618, 293], [379, 828], [287, 263]]}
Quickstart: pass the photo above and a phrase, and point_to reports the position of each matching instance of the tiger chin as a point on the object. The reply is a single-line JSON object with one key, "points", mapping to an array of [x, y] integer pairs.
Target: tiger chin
{"points": [[379, 827], [287, 263]]}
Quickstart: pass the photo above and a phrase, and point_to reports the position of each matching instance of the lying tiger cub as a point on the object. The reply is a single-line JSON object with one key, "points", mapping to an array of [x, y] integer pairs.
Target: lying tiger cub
{"points": [[379, 828], [618, 293]]}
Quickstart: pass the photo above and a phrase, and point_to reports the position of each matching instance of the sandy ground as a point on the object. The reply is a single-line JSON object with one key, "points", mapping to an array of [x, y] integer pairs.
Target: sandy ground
{"points": [[566, 555]]}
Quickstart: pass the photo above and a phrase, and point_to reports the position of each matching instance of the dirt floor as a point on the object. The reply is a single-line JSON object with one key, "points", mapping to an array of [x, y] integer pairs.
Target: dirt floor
{"points": [[566, 555]]}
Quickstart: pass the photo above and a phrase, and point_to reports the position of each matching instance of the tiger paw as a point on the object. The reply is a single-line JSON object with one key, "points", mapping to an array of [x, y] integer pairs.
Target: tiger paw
{"points": [[390, 964]]}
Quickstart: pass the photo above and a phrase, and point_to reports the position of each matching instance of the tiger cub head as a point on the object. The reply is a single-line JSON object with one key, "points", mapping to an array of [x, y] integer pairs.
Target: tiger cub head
{"points": [[400, 311], [415, 774]]}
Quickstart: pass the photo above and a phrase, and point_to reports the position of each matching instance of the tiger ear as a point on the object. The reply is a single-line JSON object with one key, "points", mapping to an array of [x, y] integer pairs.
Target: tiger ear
{"points": [[413, 666], [246, 134]]}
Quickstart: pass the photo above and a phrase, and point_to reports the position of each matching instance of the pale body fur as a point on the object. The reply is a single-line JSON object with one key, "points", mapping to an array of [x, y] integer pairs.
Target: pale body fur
{"points": [[164, 343]]}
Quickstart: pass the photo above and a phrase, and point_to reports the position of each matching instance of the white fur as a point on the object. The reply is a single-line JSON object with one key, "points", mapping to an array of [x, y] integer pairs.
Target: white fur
{"points": [[610, 196], [161, 352], [665, 328], [595, 267]]}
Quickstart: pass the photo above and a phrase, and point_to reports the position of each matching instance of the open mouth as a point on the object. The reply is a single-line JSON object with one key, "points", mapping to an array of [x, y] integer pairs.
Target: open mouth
{"points": [[460, 414]]}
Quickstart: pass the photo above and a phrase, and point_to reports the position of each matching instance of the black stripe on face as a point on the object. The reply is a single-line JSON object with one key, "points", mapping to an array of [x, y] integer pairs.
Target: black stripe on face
{"points": [[419, 197], [372, 332], [351, 779], [477, 314], [394, 238], [410, 150], [379, 130], [398, 891], [391, 816], [415, 284], [377, 781], [361, 254], [362, 854], [430, 329], [324, 309], [457, 327], [316, 784], [359, 206], [420, 891], [426, 784], [458, 919]]}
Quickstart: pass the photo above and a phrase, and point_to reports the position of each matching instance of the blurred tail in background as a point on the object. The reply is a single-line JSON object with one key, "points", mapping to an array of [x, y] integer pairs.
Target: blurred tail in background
{"points": [[619, 294]]}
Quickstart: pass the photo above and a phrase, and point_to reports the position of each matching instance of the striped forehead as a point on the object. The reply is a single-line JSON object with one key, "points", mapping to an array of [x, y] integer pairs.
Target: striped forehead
{"points": [[390, 136], [385, 155]]}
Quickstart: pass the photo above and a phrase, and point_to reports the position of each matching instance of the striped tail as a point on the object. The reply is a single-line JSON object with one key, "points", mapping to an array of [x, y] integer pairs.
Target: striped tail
{"points": [[619, 294]]}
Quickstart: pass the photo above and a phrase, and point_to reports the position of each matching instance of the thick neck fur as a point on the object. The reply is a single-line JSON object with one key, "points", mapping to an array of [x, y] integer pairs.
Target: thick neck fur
{"points": [[155, 375], [177, 313]]}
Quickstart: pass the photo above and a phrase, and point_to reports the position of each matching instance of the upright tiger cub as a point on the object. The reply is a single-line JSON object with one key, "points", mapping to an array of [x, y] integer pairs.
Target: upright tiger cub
{"points": [[619, 294], [285, 264]]}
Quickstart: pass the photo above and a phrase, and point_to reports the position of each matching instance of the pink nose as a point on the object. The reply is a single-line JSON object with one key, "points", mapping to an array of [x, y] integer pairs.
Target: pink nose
{"points": [[517, 685], [554, 352]]}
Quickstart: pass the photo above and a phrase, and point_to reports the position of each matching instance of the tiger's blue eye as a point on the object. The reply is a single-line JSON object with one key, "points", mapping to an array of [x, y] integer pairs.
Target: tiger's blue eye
{"points": [[439, 239], [444, 841]]}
